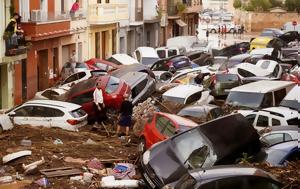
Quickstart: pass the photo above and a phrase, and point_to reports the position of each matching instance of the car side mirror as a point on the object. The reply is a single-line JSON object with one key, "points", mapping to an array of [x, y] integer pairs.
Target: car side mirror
{"points": [[12, 114]]}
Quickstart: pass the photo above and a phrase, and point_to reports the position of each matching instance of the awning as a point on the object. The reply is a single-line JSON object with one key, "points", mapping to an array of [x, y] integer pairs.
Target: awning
{"points": [[181, 23]]}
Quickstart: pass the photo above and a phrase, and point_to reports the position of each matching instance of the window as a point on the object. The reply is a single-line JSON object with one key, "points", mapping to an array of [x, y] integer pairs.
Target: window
{"points": [[112, 85], [139, 5], [276, 138], [50, 112], [262, 121], [294, 121], [24, 112], [245, 73], [139, 88], [172, 52], [50, 94], [279, 95], [78, 113], [170, 129], [260, 183], [38, 111], [251, 118], [138, 55], [276, 70], [97, 43], [194, 97], [275, 122], [161, 123], [70, 79], [267, 101], [161, 53], [83, 98], [101, 66]]}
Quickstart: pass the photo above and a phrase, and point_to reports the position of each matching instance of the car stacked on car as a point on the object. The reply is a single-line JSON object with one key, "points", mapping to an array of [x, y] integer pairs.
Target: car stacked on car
{"points": [[194, 138]]}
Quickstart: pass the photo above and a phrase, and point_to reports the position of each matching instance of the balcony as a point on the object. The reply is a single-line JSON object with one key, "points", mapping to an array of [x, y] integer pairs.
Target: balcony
{"points": [[78, 22], [107, 13]]}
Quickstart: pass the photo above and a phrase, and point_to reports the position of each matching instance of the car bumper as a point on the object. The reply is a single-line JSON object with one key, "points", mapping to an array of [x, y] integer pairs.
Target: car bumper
{"points": [[149, 177]]}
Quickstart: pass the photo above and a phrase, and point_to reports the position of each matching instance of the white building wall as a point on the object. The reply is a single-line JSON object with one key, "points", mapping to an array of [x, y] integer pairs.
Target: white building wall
{"points": [[150, 12]]}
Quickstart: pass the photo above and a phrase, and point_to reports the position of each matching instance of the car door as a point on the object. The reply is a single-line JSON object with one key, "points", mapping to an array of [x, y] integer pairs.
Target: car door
{"points": [[158, 129], [55, 116], [31, 115], [262, 121], [252, 118]]}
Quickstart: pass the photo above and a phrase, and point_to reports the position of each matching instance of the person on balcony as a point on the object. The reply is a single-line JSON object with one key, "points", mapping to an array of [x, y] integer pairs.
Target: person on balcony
{"points": [[13, 33], [75, 7]]}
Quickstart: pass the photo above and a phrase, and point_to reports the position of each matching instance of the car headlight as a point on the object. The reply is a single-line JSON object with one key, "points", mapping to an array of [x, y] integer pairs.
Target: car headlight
{"points": [[146, 157]]}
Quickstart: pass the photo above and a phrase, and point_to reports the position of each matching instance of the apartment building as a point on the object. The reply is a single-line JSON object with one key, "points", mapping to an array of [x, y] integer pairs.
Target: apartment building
{"points": [[54, 36], [151, 23], [12, 64]]}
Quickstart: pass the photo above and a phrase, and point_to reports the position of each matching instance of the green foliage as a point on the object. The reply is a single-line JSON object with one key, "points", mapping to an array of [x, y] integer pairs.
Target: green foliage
{"points": [[180, 7], [248, 7], [276, 3], [237, 4], [292, 5], [261, 5]]}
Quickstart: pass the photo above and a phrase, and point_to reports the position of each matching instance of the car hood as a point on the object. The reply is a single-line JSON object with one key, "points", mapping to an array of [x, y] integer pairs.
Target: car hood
{"points": [[167, 167]]}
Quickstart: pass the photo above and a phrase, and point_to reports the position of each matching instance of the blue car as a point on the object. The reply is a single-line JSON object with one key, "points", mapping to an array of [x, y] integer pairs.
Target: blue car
{"points": [[280, 154]]}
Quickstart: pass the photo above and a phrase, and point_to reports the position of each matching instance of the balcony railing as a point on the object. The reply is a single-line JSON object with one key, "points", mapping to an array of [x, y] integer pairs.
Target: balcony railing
{"points": [[106, 13]]}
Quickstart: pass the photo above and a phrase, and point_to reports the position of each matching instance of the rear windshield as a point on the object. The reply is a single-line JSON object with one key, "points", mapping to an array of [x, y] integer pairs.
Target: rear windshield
{"points": [[149, 61], [112, 85], [80, 65], [293, 121], [250, 100], [83, 85], [161, 53], [227, 77], [78, 113]]}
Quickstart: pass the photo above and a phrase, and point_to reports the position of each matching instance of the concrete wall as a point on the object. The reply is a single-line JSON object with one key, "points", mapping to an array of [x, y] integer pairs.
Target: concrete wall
{"points": [[256, 22]]}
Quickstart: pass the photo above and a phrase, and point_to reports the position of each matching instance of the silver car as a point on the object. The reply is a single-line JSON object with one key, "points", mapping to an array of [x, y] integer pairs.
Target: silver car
{"points": [[71, 68]]}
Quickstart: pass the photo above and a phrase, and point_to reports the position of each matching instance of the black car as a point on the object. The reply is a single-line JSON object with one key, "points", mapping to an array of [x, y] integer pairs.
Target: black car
{"points": [[228, 177], [290, 36], [218, 142], [200, 57], [172, 64], [232, 50]]}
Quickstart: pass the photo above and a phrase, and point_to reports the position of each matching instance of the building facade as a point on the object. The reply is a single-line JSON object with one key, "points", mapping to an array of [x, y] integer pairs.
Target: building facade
{"points": [[151, 23], [54, 36], [12, 65], [104, 21]]}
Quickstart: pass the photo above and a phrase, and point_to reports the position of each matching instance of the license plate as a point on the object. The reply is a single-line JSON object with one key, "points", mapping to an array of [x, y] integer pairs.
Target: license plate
{"points": [[149, 180]]}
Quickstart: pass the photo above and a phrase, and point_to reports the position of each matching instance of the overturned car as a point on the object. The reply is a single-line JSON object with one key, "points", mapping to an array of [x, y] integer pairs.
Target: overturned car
{"points": [[200, 147]]}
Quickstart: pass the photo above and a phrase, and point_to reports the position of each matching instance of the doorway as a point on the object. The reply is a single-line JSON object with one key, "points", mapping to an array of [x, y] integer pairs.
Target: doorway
{"points": [[103, 50], [55, 64], [24, 80], [0, 89], [80, 52], [43, 74]]}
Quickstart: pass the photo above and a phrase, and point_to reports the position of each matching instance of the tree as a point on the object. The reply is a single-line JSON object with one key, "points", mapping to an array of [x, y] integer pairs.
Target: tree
{"points": [[290, 5], [237, 4], [276, 3], [261, 5]]}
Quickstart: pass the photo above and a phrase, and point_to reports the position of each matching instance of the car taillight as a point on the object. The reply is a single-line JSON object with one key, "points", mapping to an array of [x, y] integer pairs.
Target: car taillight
{"points": [[72, 121], [114, 96]]}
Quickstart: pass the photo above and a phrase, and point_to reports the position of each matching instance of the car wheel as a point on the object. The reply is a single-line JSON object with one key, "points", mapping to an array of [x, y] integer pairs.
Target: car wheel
{"points": [[213, 31], [142, 145], [231, 30]]}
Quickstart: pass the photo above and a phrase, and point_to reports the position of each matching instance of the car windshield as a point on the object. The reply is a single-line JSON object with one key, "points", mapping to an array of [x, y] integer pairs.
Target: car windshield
{"points": [[78, 113], [293, 104], [245, 99], [112, 85], [149, 60], [196, 154], [227, 77], [81, 65]]}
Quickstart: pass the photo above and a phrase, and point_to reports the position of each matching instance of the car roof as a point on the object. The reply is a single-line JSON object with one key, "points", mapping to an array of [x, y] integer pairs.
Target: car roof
{"points": [[263, 86], [179, 120], [258, 71], [125, 59], [147, 52], [282, 112], [54, 103], [132, 78], [293, 94], [183, 91], [262, 51], [217, 172]]}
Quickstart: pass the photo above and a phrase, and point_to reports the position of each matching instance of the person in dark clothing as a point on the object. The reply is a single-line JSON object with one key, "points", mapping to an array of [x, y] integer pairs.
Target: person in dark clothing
{"points": [[126, 114]]}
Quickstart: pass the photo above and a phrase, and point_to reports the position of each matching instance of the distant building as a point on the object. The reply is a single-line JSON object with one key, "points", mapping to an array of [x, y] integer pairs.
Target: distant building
{"points": [[216, 4]]}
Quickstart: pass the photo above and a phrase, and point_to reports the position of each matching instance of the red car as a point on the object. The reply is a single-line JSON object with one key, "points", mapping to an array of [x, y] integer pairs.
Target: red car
{"points": [[96, 64], [162, 126], [113, 92]]}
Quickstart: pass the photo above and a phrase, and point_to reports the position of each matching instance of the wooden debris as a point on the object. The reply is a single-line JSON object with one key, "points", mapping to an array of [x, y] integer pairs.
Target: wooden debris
{"points": [[60, 172]]}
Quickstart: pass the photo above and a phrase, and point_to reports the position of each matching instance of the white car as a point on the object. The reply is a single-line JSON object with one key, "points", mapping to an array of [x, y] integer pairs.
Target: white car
{"points": [[280, 134], [51, 94], [80, 76], [122, 59], [46, 113], [273, 116], [146, 55], [188, 94], [263, 68]]}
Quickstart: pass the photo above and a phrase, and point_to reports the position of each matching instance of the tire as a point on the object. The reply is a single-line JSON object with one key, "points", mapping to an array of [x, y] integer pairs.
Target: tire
{"points": [[231, 30], [213, 31], [142, 145]]}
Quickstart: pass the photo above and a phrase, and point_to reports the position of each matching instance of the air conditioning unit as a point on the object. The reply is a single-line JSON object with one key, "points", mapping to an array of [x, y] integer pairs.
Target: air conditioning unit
{"points": [[36, 15]]}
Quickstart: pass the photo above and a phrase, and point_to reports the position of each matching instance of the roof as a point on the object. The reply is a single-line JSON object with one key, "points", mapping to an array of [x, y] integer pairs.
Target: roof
{"points": [[147, 52], [53, 103], [262, 86], [182, 91], [125, 59], [217, 172], [286, 112], [132, 78], [262, 51], [180, 120]]}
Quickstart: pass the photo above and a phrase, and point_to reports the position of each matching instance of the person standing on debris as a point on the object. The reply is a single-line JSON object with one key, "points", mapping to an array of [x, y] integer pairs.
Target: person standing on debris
{"points": [[126, 115], [99, 106], [75, 7]]}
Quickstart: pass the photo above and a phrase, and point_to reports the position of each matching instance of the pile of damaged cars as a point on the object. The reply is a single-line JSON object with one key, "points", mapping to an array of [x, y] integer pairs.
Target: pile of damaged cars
{"points": [[199, 113]]}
